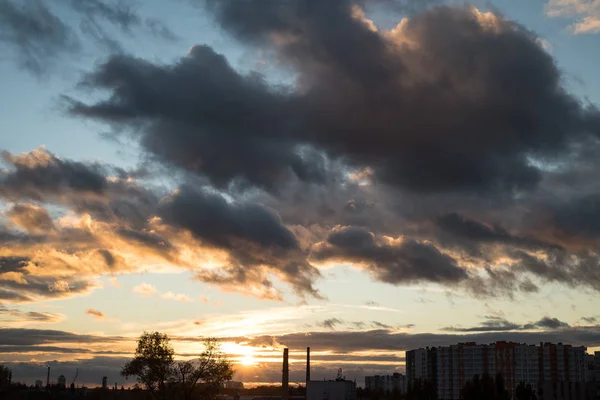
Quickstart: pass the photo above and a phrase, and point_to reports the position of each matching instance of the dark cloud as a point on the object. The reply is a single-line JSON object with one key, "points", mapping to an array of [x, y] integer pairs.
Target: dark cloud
{"points": [[38, 34], [214, 220], [500, 324], [379, 90], [39, 173], [491, 324], [34, 337], [358, 324], [590, 320], [388, 340], [405, 262], [35, 33], [579, 217], [330, 323], [380, 325], [551, 323], [244, 144], [572, 269], [12, 263], [253, 235]]}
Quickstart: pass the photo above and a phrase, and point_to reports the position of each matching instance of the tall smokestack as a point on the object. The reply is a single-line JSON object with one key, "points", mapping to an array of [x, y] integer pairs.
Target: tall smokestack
{"points": [[48, 378], [307, 364], [286, 376]]}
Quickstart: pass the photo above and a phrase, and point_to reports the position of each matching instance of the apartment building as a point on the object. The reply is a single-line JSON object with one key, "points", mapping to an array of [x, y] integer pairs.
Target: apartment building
{"points": [[544, 367]]}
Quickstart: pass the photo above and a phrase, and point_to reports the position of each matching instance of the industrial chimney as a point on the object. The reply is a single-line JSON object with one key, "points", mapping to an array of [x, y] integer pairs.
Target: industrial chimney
{"points": [[48, 378], [286, 376], [307, 364]]}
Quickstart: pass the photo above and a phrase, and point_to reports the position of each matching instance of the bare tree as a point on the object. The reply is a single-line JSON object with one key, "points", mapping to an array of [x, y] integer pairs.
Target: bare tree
{"points": [[208, 372]]}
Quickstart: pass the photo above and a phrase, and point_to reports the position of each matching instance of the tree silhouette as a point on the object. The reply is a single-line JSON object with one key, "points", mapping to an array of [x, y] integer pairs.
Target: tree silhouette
{"points": [[5, 375], [422, 389], [485, 388], [525, 392], [164, 378], [210, 370], [152, 364]]}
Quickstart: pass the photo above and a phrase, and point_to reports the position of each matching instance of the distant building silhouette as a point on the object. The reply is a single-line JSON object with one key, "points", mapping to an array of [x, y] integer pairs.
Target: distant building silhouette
{"points": [[38, 384], [104, 382], [62, 381], [395, 383], [233, 385]]}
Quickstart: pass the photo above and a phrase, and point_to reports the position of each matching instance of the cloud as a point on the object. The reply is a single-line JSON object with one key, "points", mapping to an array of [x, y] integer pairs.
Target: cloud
{"points": [[34, 337], [387, 340], [13, 315], [37, 33], [34, 33], [253, 236], [408, 68], [95, 313], [31, 218], [177, 297], [387, 149], [380, 325], [145, 289], [115, 282], [500, 324], [121, 222], [40, 173], [586, 12], [551, 323], [330, 323], [401, 261], [19, 282]]}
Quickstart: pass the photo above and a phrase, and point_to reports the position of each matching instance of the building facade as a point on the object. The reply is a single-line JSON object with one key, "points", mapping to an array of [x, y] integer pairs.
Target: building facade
{"points": [[421, 365], [340, 389], [545, 367]]}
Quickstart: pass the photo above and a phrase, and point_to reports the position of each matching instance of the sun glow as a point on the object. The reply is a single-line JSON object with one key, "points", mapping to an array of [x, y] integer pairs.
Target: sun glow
{"points": [[248, 360], [243, 355]]}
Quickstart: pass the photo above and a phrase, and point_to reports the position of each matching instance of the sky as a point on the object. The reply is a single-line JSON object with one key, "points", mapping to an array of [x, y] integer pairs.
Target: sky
{"points": [[361, 177]]}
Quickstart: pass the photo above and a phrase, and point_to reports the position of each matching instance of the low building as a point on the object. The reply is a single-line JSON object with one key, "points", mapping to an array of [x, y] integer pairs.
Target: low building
{"points": [[395, 383], [340, 389], [233, 385], [62, 381]]}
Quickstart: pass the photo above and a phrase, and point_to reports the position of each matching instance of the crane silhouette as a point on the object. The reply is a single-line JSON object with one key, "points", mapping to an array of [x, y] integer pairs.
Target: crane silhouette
{"points": [[75, 378]]}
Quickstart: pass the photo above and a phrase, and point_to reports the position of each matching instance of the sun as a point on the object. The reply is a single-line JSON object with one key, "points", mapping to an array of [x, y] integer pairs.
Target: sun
{"points": [[247, 360], [242, 355]]}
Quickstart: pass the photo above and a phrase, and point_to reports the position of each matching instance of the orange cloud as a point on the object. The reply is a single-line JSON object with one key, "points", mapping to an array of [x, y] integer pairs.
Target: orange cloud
{"points": [[95, 313]]}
